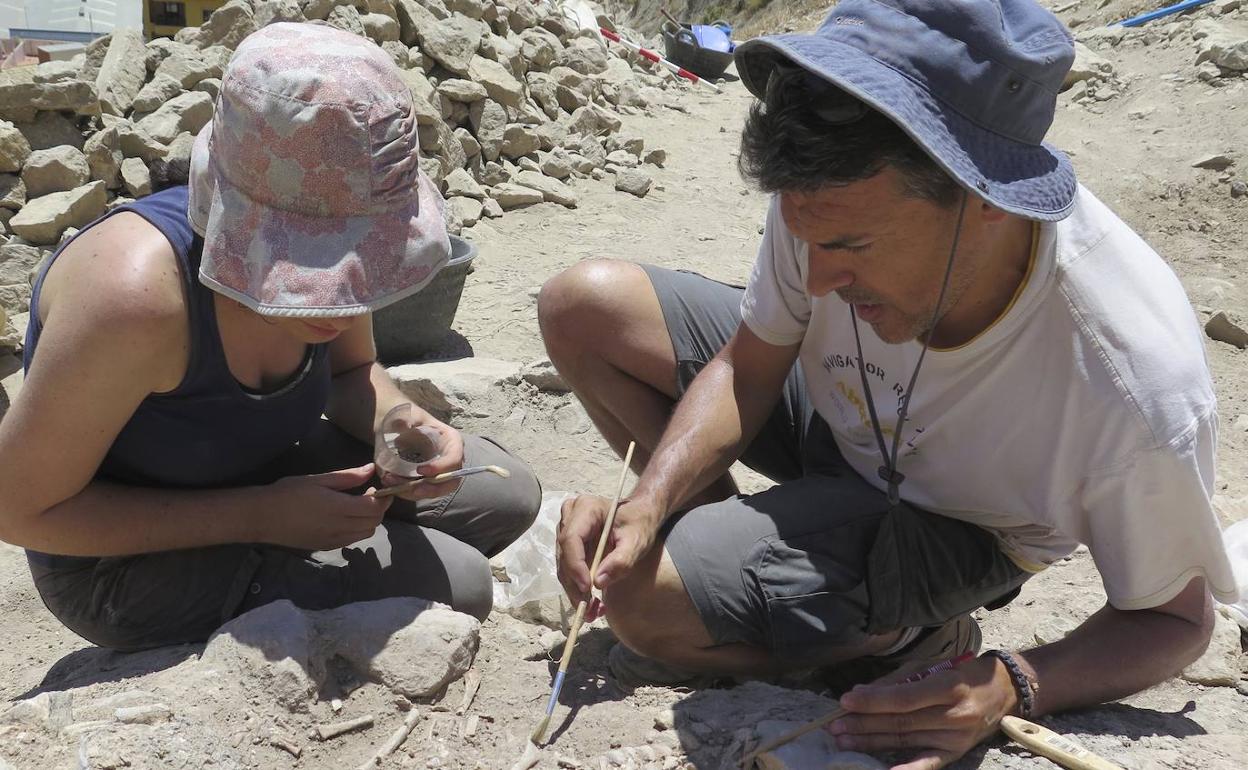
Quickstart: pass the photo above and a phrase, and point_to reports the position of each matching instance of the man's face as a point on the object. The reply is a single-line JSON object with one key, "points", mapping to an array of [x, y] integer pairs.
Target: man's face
{"points": [[881, 251]]}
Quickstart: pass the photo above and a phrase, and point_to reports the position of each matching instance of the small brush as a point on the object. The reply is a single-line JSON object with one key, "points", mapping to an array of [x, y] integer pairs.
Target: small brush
{"points": [[539, 733], [408, 486]]}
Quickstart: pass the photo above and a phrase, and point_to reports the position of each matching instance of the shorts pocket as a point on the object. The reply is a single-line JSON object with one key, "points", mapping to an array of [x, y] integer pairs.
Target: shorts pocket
{"points": [[814, 588]]}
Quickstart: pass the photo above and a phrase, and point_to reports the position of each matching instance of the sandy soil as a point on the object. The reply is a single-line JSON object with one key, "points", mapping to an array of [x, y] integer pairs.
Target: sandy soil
{"points": [[1135, 151]]}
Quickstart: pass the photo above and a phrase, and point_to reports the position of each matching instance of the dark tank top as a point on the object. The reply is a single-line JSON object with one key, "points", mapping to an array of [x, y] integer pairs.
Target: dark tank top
{"points": [[210, 431]]}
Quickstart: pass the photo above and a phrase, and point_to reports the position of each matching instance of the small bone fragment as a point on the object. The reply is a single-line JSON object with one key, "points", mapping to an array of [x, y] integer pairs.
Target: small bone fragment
{"points": [[286, 745], [395, 740], [529, 758], [325, 732], [472, 683], [144, 715], [470, 725]]}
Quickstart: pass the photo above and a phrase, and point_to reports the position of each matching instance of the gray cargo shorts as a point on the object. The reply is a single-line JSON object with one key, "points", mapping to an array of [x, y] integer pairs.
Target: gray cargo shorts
{"points": [[821, 558]]}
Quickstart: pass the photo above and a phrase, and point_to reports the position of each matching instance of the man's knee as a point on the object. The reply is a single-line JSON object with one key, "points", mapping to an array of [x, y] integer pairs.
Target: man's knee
{"points": [[650, 611], [577, 306]]}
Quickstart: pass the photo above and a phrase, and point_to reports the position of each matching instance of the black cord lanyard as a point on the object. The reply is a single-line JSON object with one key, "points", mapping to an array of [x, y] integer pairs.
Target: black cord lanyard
{"points": [[888, 471]]}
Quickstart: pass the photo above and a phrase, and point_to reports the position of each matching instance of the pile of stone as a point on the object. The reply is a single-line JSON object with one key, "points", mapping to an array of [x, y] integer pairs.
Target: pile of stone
{"points": [[513, 102]]}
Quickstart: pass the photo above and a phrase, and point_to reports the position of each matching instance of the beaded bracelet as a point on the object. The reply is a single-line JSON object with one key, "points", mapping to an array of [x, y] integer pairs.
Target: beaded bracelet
{"points": [[1023, 684]]}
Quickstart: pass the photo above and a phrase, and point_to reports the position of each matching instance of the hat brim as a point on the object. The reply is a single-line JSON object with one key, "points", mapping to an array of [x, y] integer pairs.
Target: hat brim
{"points": [[1035, 181], [284, 263]]}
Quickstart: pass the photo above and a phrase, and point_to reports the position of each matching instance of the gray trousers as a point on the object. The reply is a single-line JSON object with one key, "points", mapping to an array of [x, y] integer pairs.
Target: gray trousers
{"points": [[436, 549]]}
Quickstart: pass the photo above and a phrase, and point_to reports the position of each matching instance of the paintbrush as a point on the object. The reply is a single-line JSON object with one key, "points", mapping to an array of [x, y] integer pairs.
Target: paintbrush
{"points": [[540, 731], [839, 711], [408, 486]]}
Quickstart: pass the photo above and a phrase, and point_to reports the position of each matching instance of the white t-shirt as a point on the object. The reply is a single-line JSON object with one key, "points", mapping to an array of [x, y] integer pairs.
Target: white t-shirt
{"points": [[1085, 414]]}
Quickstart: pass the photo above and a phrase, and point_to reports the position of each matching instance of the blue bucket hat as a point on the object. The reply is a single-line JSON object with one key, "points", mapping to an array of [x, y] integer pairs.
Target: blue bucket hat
{"points": [[972, 82]]}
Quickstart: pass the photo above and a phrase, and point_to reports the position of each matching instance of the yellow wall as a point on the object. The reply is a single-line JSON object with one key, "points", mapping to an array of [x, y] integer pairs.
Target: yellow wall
{"points": [[194, 17]]}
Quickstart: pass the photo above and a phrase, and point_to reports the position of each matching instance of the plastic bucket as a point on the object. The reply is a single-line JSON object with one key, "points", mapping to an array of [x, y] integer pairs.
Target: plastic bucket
{"points": [[414, 326]]}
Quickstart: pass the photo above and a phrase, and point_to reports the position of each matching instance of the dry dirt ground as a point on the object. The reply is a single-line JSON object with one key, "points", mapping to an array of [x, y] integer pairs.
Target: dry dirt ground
{"points": [[1135, 150]]}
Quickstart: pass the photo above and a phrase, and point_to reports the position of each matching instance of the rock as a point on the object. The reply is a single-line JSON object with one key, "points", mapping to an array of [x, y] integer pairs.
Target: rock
{"points": [[21, 97], [412, 646], [540, 47], [136, 177], [622, 158], [55, 170], [346, 18], [186, 113], [1221, 45], [552, 135], [491, 209], [186, 68], [542, 375], [446, 387], [273, 11], [137, 143], [465, 91], [1214, 162], [1239, 188], [468, 142], [551, 189], [227, 26], [815, 749], [273, 647], [555, 164], [518, 141], [12, 193], [51, 129], [413, 19], [158, 90], [175, 166], [473, 9], [528, 164], [488, 120], [14, 148], [656, 157], [1223, 328], [460, 183], [512, 196], [42, 220], [380, 27], [422, 94], [17, 261], [122, 71], [1219, 666], [1241, 423], [143, 715], [320, 9], [591, 120], [466, 210], [1087, 65], [210, 86], [103, 151], [498, 82], [453, 43], [586, 56], [632, 181]]}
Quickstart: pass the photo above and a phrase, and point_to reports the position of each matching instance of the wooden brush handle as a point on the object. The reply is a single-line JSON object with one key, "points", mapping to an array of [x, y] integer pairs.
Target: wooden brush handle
{"points": [[792, 735], [1058, 748], [579, 618]]}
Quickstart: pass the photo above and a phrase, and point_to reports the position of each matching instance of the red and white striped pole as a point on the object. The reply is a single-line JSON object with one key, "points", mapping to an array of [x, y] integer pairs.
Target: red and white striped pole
{"points": [[646, 53]]}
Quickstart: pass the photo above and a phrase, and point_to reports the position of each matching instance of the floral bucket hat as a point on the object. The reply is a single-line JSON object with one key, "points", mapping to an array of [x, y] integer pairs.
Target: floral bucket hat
{"points": [[306, 185]]}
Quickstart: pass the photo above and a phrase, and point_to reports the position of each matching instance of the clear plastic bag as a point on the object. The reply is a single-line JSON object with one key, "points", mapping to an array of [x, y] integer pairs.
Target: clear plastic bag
{"points": [[528, 565]]}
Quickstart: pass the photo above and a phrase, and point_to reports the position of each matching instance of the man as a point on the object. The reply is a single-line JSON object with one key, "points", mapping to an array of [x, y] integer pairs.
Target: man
{"points": [[957, 363]]}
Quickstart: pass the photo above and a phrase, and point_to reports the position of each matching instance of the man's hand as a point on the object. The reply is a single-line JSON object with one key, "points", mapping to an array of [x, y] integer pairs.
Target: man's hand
{"points": [[581, 525], [316, 513], [943, 716], [450, 458]]}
